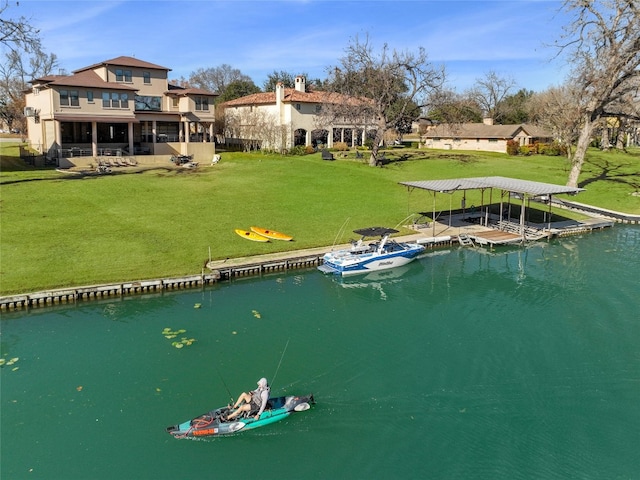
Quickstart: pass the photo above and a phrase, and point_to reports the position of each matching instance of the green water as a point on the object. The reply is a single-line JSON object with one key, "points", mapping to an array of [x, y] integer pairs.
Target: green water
{"points": [[524, 364]]}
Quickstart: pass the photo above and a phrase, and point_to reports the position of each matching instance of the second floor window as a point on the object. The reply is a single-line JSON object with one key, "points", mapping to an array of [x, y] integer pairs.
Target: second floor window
{"points": [[146, 76], [123, 75], [202, 103], [69, 98], [148, 103], [115, 100]]}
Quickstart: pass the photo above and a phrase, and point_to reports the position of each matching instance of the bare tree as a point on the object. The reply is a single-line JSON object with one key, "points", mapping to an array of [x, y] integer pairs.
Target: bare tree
{"points": [[256, 128], [217, 79], [24, 60], [490, 93], [18, 69], [603, 41], [17, 34], [384, 86], [559, 110]]}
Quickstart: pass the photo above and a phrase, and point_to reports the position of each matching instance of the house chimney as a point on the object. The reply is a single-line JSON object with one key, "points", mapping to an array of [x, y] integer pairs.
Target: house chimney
{"points": [[279, 93], [300, 84], [487, 121]]}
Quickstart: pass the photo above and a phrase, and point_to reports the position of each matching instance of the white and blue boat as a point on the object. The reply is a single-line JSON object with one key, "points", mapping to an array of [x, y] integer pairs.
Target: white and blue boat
{"points": [[367, 257]]}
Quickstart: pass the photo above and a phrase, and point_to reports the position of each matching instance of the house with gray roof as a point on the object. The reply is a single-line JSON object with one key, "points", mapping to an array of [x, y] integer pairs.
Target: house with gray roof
{"points": [[485, 136]]}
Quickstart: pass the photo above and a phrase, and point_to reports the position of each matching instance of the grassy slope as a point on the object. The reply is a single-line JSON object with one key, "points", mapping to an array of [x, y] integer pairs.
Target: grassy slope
{"points": [[61, 232]]}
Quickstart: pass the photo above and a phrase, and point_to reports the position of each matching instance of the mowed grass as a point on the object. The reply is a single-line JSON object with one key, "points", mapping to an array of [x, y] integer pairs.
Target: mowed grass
{"points": [[59, 231]]}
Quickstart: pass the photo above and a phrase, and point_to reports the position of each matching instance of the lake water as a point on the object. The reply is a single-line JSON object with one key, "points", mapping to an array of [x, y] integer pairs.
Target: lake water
{"points": [[520, 364]]}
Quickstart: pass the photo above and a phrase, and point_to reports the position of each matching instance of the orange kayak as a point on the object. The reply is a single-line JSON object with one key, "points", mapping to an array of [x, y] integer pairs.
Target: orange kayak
{"points": [[271, 234], [251, 235]]}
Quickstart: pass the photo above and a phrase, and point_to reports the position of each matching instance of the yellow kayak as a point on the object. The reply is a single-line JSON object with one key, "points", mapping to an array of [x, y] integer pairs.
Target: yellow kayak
{"points": [[271, 234], [251, 235]]}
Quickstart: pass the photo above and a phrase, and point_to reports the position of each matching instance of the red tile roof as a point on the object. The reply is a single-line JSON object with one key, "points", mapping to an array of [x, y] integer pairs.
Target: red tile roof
{"points": [[291, 95]]}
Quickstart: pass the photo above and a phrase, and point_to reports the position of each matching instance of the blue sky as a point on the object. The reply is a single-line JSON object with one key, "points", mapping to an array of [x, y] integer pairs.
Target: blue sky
{"points": [[470, 38]]}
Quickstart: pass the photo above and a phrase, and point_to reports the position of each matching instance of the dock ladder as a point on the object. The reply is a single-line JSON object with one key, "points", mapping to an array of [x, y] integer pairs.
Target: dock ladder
{"points": [[465, 240]]}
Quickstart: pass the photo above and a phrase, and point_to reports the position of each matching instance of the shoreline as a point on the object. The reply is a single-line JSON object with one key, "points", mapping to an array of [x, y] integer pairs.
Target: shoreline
{"points": [[436, 234]]}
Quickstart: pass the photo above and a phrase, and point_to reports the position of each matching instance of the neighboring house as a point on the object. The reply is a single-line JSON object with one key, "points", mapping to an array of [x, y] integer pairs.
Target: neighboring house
{"points": [[289, 117], [484, 137], [118, 106]]}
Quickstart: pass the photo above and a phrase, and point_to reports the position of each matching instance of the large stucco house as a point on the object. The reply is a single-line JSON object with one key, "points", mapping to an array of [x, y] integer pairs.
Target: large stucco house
{"points": [[123, 106], [485, 136], [289, 117]]}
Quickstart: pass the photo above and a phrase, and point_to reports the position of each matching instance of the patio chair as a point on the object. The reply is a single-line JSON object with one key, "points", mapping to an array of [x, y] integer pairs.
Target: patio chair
{"points": [[327, 155]]}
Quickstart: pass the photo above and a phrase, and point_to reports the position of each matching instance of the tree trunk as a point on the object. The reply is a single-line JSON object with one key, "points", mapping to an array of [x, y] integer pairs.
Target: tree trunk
{"points": [[375, 146], [622, 131], [581, 150], [605, 143], [373, 158]]}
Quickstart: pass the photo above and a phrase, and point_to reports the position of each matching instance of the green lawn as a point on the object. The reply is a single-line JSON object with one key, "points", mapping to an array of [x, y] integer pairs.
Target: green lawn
{"points": [[58, 231]]}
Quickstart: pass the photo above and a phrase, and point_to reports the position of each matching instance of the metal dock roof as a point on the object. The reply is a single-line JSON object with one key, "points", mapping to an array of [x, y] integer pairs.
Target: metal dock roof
{"points": [[504, 183]]}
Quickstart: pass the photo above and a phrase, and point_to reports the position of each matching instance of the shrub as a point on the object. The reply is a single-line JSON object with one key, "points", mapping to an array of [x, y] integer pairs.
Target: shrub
{"points": [[340, 146], [298, 150], [524, 150], [309, 150], [552, 149], [512, 147]]}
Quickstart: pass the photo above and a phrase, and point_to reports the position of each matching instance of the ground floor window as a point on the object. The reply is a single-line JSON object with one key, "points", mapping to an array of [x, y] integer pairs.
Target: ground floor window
{"points": [[300, 137], [319, 138], [75, 132], [168, 131], [112, 133]]}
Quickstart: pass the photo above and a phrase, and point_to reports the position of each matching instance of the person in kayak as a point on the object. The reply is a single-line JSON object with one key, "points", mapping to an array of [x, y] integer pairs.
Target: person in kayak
{"points": [[250, 401]]}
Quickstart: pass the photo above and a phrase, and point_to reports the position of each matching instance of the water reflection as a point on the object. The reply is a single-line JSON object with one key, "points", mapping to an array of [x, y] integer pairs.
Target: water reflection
{"points": [[380, 280]]}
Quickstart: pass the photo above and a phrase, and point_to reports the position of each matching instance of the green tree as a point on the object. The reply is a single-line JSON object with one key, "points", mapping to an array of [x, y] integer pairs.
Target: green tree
{"points": [[513, 109], [288, 79], [449, 107], [237, 89], [404, 116]]}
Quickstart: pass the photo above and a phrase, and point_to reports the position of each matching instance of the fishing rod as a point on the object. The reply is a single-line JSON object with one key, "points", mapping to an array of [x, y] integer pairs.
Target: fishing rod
{"points": [[225, 385], [273, 380]]}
